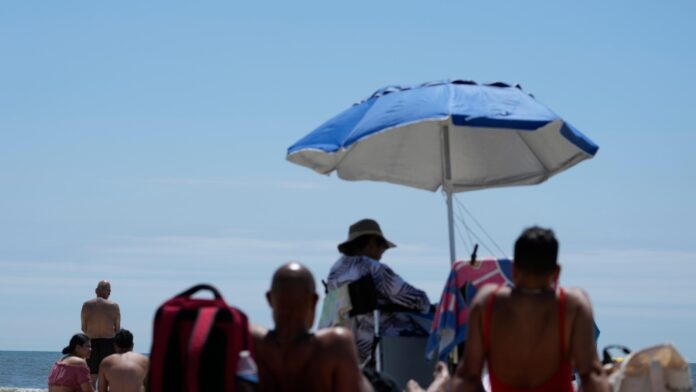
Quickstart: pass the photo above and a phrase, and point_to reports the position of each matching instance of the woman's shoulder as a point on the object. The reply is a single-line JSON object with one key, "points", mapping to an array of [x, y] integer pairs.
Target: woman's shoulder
{"points": [[73, 361]]}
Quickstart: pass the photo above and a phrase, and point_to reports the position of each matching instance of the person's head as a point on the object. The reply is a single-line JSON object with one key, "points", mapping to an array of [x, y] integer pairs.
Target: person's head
{"points": [[79, 346], [365, 238], [536, 254], [103, 289], [123, 341], [293, 297]]}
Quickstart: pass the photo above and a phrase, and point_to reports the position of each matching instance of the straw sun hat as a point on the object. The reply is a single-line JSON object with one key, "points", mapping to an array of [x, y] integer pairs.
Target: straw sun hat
{"points": [[361, 228]]}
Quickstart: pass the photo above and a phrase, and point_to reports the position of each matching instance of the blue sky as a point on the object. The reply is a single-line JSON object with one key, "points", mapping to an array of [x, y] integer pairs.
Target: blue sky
{"points": [[144, 143]]}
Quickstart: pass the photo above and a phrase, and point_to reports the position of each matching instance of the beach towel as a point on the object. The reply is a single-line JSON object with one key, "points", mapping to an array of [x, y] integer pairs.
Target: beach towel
{"points": [[449, 326]]}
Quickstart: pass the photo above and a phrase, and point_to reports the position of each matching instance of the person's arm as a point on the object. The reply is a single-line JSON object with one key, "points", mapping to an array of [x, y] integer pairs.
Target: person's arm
{"points": [[83, 318], [347, 376], [146, 366], [583, 349], [467, 377], [87, 387], [103, 382], [393, 287], [83, 377], [117, 319]]}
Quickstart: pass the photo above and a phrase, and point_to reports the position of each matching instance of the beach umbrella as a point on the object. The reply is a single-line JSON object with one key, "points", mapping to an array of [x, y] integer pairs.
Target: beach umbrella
{"points": [[450, 135]]}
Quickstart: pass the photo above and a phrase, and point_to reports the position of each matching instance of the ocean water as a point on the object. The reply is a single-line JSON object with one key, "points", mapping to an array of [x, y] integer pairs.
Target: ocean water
{"points": [[27, 371]]}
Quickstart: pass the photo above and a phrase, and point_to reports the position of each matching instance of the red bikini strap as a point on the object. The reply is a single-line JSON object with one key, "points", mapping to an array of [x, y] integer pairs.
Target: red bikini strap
{"points": [[561, 320], [487, 319]]}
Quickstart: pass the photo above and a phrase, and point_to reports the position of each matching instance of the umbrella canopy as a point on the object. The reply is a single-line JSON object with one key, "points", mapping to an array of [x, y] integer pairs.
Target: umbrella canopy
{"points": [[454, 135], [498, 136]]}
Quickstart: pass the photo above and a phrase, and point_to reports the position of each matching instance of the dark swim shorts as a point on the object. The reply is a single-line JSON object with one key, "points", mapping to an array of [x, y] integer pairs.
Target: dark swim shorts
{"points": [[101, 348]]}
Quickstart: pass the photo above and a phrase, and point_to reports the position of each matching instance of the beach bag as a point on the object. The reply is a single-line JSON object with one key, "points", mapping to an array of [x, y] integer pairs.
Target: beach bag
{"points": [[654, 369], [196, 344]]}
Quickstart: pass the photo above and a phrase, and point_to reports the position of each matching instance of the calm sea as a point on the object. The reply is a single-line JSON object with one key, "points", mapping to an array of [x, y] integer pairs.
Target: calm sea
{"points": [[27, 371]]}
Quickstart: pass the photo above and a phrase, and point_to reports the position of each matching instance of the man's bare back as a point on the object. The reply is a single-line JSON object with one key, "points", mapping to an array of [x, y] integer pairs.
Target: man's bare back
{"points": [[316, 362], [123, 372], [101, 318]]}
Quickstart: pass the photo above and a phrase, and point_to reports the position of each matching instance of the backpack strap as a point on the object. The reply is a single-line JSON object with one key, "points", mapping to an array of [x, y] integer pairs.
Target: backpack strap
{"points": [[199, 335], [159, 347]]}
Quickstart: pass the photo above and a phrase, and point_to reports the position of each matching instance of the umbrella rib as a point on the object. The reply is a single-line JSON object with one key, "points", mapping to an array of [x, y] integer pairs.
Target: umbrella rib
{"points": [[546, 169]]}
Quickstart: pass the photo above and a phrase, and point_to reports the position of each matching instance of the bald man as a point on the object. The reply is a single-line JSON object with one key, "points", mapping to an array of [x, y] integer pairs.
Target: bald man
{"points": [[101, 319], [289, 357]]}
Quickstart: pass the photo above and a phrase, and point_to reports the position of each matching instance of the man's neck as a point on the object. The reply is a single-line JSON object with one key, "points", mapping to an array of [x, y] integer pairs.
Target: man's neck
{"points": [[533, 284], [288, 336], [532, 291]]}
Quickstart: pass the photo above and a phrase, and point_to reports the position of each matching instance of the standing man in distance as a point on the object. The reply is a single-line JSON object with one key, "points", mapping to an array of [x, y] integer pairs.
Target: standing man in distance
{"points": [[101, 319], [126, 370]]}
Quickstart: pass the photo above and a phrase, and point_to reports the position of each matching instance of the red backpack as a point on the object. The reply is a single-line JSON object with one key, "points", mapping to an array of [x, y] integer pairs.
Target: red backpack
{"points": [[196, 344]]}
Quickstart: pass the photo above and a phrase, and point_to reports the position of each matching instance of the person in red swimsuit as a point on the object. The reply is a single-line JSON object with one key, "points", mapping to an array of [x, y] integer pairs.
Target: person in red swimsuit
{"points": [[531, 336], [71, 373]]}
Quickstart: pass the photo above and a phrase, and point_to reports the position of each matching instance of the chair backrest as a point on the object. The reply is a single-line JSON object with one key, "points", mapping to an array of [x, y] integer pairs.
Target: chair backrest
{"points": [[363, 295], [363, 298]]}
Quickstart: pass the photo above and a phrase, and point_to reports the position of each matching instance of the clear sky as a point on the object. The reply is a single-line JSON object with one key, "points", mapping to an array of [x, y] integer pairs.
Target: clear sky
{"points": [[144, 143]]}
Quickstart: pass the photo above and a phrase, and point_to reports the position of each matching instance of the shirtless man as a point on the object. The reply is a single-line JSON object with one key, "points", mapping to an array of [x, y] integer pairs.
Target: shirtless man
{"points": [[532, 336], [289, 357], [101, 319], [124, 371]]}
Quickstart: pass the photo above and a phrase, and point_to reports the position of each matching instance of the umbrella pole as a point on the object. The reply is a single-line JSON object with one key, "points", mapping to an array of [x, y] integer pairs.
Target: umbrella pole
{"points": [[450, 222], [447, 176]]}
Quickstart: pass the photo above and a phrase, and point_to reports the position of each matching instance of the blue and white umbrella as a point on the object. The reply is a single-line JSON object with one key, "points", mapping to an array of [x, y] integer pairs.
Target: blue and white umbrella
{"points": [[453, 135]]}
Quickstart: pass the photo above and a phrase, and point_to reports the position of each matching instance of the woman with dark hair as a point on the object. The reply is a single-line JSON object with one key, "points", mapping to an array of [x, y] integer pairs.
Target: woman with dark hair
{"points": [[71, 373], [361, 255]]}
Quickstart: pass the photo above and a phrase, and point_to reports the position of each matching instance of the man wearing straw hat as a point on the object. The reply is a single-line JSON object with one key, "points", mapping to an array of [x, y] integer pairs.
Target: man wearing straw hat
{"points": [[361, 254]]}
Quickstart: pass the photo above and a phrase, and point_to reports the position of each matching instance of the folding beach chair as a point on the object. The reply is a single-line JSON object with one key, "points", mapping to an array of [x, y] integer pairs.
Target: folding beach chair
{"points": [[363, 298]]}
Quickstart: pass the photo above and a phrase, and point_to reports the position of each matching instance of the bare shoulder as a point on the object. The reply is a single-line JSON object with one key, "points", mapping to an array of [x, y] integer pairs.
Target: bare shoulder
{"points": [[484, 293], [140, 358], [109, 359], [109, 304], [336, 338], [335, 334], [258, 333], [75, 361], [577, 297]]}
